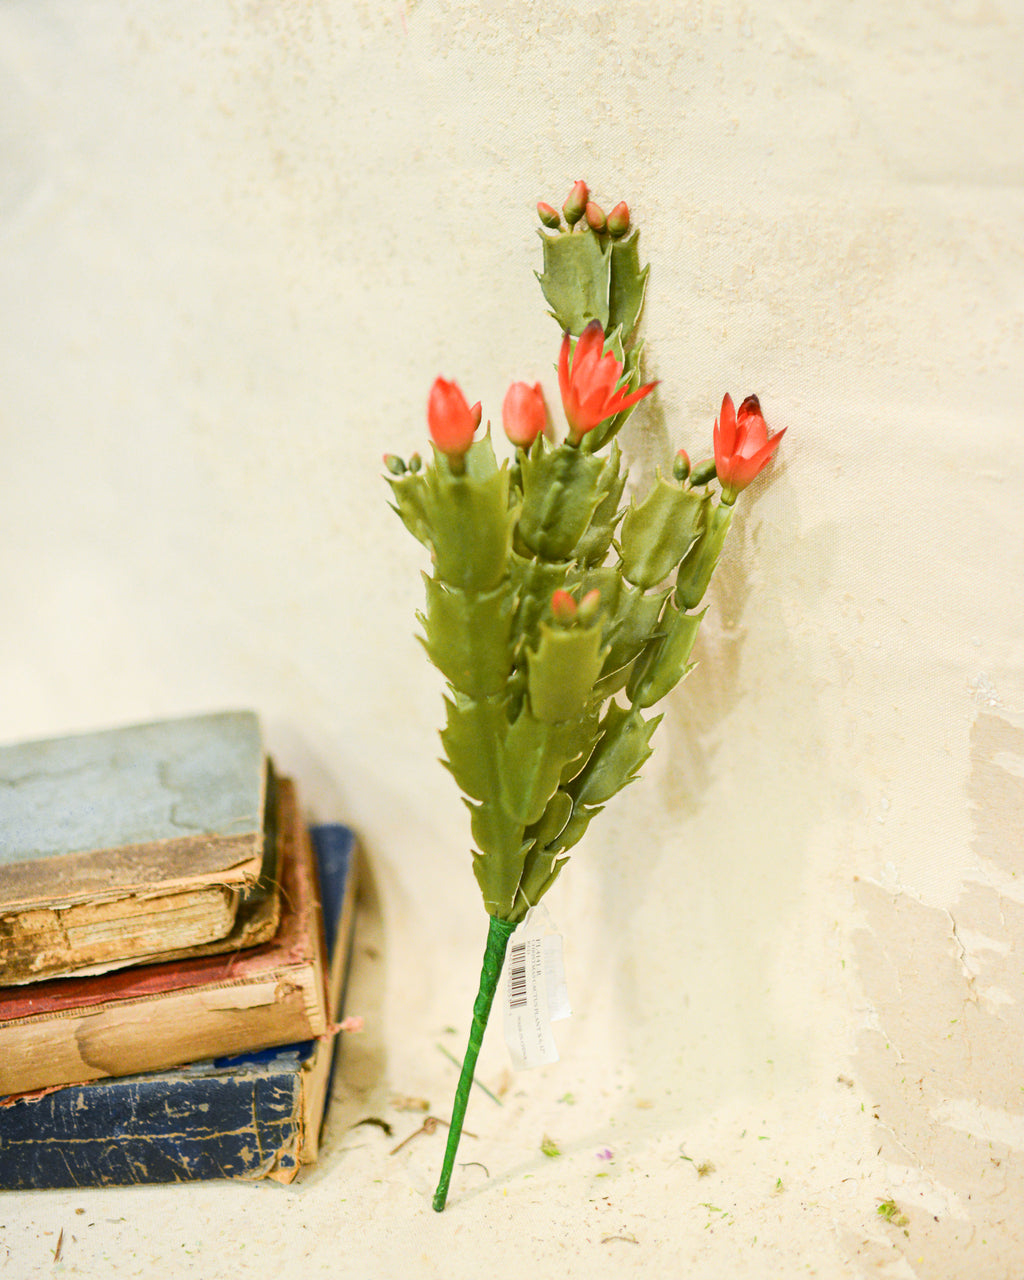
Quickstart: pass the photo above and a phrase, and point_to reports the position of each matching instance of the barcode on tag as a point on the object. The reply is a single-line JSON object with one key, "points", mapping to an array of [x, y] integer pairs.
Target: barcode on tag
{"points": [[535, 994], [517, 998]]}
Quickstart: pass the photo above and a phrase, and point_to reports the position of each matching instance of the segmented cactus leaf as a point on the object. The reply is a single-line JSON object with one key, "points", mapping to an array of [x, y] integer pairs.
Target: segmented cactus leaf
{"points": [[498, 875], [593, 545], [551, 822], [627, 286], [562, 670], [534, 582], [620, 751], [410, 503], [574, 830], [471, 739], [699, 564], [562, 488], [469, 636], [531, 761], [632, 618], [657, 534], [666, 661], [479, 501], [576, 280]]}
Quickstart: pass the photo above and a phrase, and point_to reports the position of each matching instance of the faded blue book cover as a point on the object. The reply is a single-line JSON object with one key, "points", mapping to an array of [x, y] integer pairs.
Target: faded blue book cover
{"points": [[252, 1116]]}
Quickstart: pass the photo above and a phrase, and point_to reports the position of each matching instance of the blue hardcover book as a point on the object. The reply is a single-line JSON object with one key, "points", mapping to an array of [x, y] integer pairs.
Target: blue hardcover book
{"points": [[251, 1116]]}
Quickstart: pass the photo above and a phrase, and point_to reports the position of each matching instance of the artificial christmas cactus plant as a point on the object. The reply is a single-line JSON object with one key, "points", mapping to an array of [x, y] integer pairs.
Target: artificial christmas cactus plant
{"points": [[558, 616]]}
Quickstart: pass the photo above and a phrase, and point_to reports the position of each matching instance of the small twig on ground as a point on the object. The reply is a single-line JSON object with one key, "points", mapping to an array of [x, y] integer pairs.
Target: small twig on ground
{"points": [[381, 1124], [428, 1126]]}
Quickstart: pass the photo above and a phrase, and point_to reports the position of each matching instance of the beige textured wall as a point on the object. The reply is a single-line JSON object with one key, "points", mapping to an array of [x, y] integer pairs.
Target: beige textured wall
{"points": [[238, 241]]}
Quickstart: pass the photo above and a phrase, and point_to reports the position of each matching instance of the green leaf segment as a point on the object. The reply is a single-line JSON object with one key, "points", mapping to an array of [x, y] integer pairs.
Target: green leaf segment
{"points": [[547, 719]]}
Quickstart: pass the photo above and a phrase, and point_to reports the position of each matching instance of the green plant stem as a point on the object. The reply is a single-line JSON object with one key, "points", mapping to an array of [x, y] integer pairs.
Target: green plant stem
{"points": [[498, 934]]}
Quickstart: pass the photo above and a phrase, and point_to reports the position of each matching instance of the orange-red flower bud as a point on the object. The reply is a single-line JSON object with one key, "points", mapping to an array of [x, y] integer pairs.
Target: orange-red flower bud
{"points": [[452, 422], [595, 216], [576, 203], [523, 413], [618, 219], [548, 215], [590, 387], [563, 607], [742, 446]]}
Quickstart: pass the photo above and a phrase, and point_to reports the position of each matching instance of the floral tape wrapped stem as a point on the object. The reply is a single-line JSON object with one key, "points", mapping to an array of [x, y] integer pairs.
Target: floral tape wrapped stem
{"points": [[498, 935]]}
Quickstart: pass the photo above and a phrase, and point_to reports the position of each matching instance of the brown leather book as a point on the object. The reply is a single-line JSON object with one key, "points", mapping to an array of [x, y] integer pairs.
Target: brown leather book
{"points": [[132, 842]]}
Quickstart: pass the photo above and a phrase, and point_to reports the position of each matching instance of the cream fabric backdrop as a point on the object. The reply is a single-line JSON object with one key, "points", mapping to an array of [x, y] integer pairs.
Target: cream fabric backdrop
{"points": [[237, 243]]}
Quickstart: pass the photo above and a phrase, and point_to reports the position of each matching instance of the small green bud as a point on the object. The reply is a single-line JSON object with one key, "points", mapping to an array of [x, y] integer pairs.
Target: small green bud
{"points": [[703, 473], [681, 465], [548, 216], [394, 464], [576, 203], [415, 462]]}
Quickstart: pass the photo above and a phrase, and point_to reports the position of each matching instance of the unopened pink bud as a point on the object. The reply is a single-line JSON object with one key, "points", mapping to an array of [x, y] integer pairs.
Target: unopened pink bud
{"points": [[548, 215], [595, 217], [576, 203], [589, 605], [618, 219], [563, 607], [523, 413]]}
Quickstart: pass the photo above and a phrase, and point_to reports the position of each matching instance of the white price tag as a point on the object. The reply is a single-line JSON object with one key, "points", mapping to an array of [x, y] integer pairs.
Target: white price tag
{"points": [[535, 991]]}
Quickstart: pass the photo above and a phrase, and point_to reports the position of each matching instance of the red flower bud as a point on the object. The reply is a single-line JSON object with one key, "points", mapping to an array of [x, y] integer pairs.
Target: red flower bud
{"points": [[452, 422], [523, 413], [618, 219], [576, 203], [595, 216], [742, 446], [563, 606], [548, 215]]}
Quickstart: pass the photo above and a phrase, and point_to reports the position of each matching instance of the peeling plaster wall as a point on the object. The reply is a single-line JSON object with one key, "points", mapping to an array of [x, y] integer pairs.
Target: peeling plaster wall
{"points": [[237, 242]]}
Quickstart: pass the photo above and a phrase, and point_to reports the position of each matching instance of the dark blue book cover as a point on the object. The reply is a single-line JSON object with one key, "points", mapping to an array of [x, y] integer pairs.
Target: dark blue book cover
{"points": [[251, 1116]]}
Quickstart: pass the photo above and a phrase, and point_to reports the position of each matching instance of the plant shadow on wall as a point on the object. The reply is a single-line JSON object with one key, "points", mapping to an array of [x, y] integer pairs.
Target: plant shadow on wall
{"points": [[706, 890]]}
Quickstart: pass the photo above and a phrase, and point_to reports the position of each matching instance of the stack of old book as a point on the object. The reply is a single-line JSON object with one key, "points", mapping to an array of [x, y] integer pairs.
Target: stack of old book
{"points": [[173, 949]]}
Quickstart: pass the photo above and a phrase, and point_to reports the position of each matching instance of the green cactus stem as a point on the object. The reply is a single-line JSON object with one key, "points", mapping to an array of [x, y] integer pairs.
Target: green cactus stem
{"points": [[498, 934]]}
